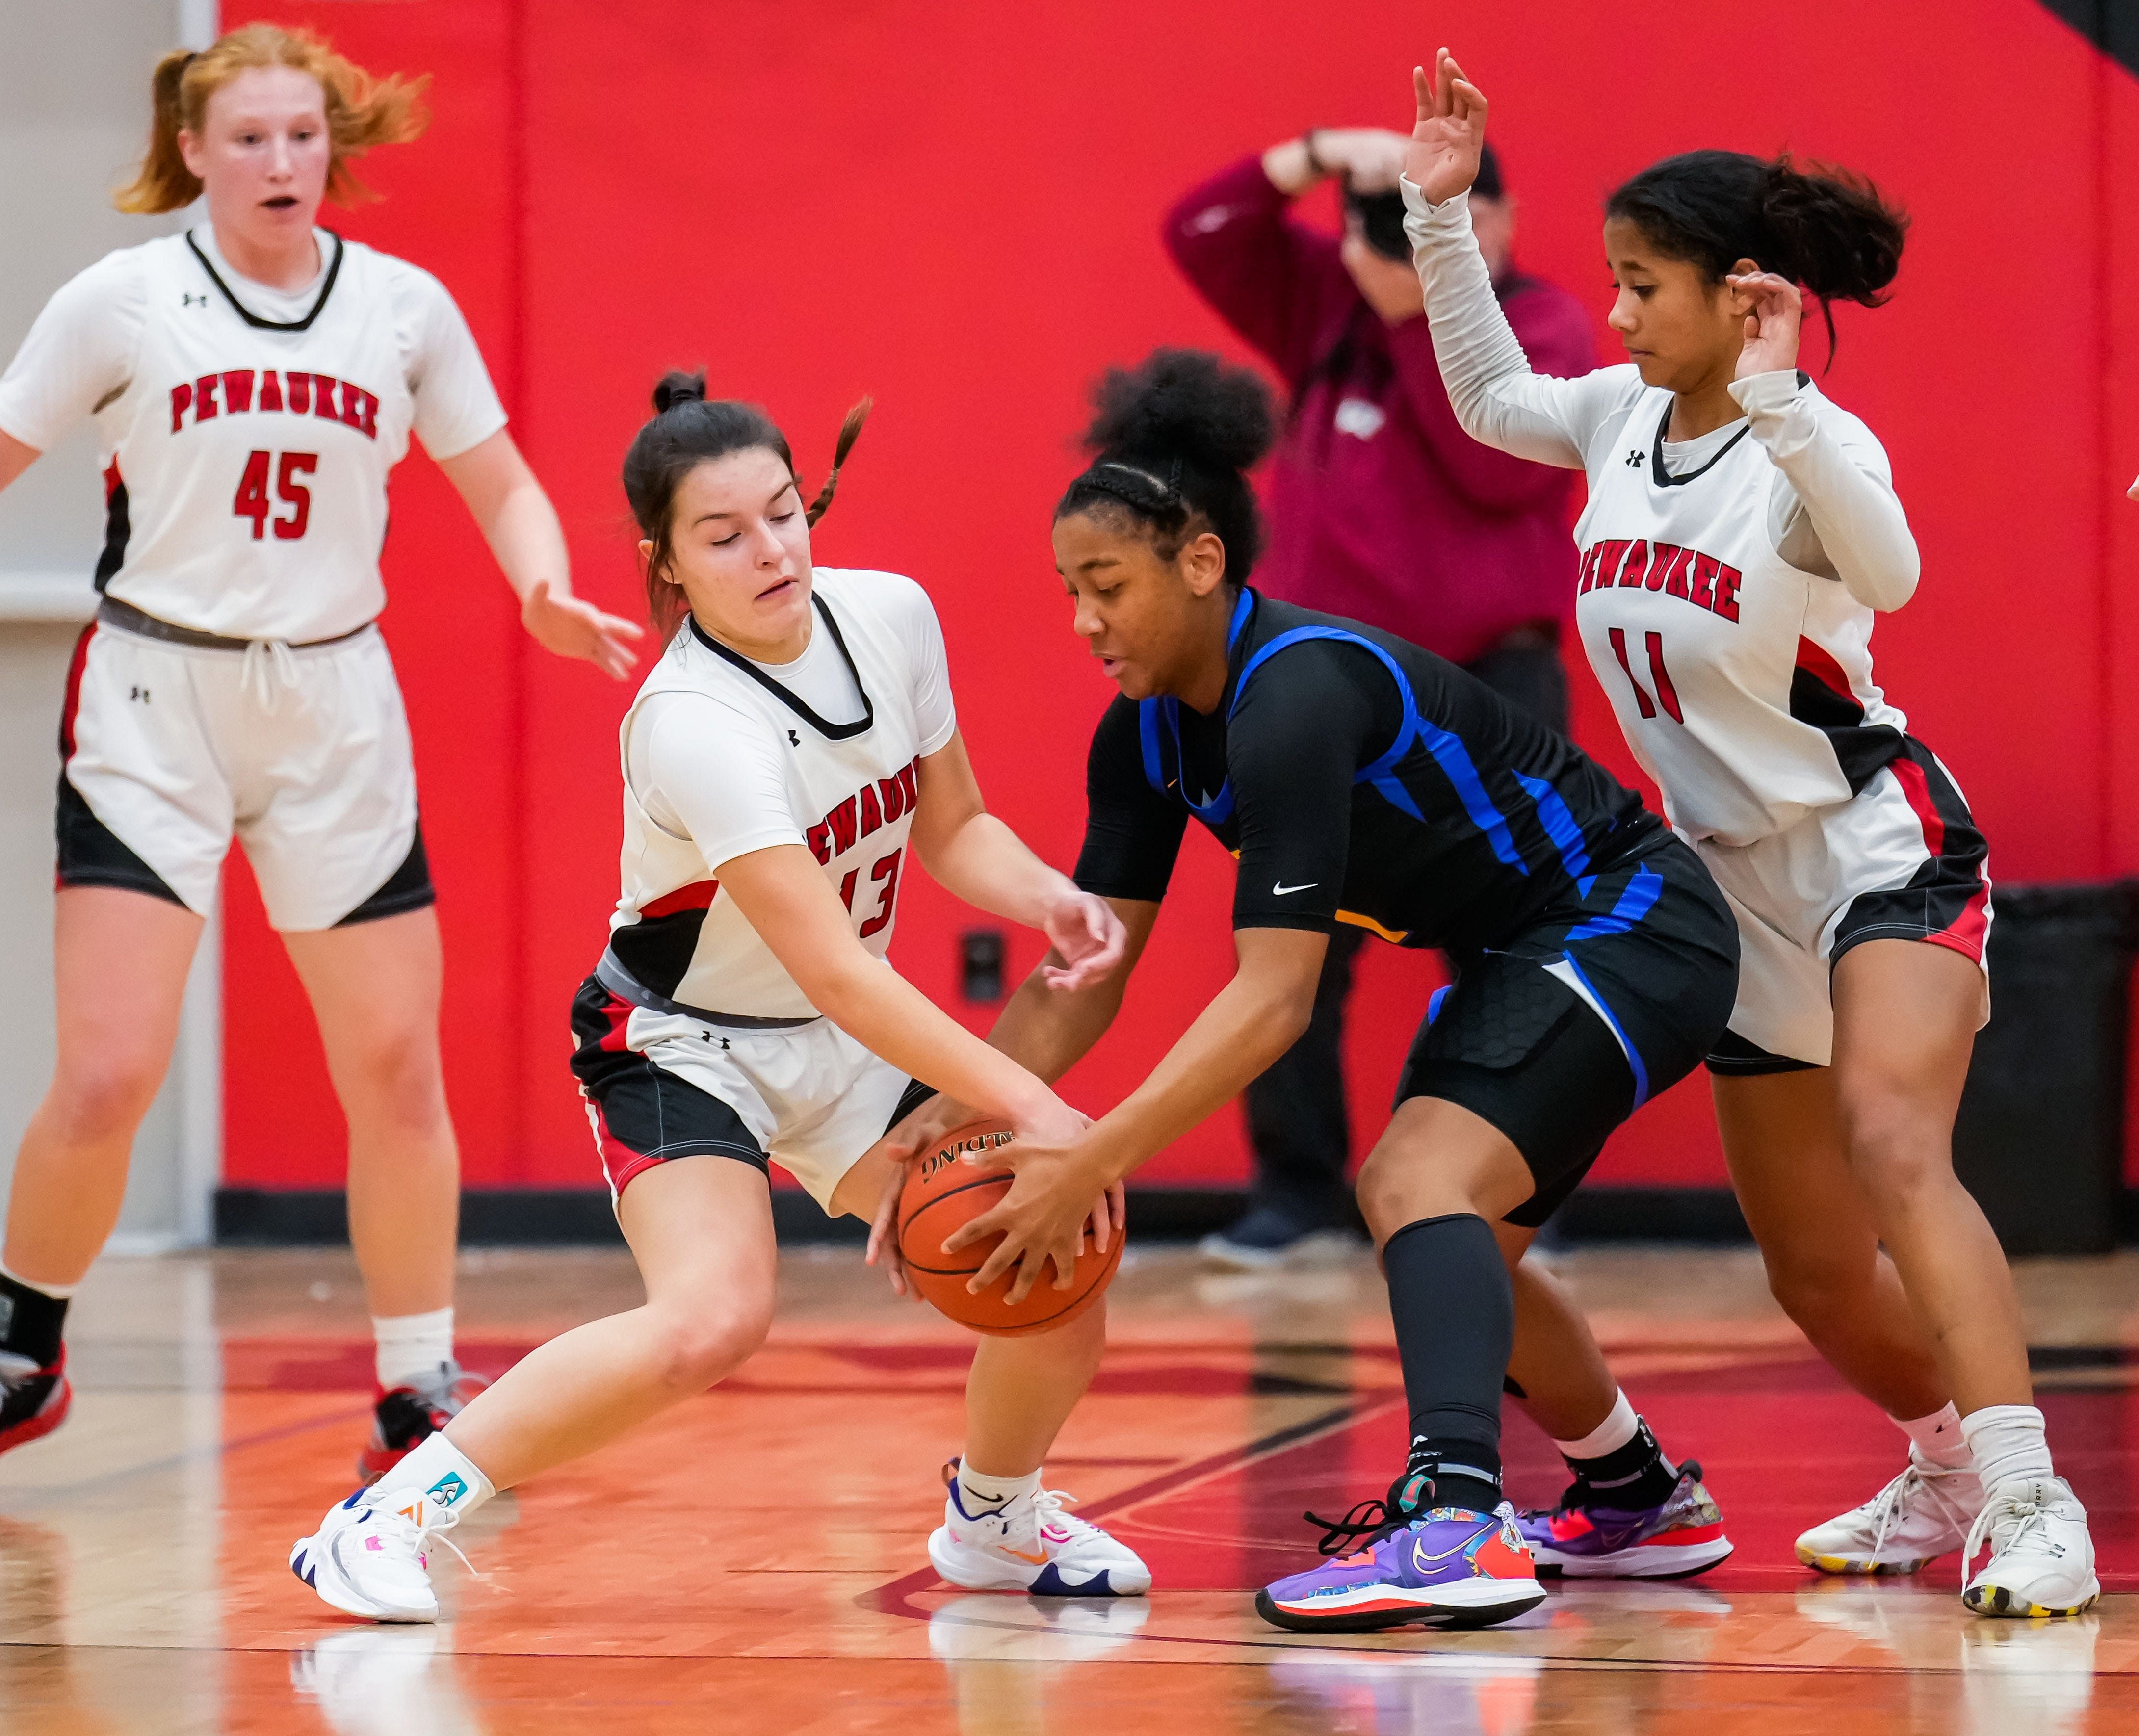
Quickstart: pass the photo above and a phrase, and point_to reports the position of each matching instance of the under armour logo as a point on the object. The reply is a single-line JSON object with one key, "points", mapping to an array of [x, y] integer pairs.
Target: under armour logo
{"points": [[711, 1038], [1633, 460], [139, 693], [186, 299], [794, 739]]}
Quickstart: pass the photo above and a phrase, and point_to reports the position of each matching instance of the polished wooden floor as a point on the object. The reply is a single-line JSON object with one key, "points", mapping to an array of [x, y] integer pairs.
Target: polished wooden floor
{"points": [[754, 1561]]}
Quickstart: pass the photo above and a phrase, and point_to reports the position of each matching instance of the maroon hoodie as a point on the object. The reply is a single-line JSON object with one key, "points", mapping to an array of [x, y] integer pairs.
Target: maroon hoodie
{"points": [[1380, 507]]}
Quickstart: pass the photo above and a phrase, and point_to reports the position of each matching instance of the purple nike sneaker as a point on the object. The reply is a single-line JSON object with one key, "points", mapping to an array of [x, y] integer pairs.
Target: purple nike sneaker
{"points": [[1682, 1537], [1449, 1566]]}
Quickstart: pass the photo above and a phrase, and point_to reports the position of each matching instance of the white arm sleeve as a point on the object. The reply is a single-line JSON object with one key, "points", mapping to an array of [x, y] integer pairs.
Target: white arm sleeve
{"points": [[1496, 396], [457, 406], [710, 773], [1837, 513], [80, 352]]}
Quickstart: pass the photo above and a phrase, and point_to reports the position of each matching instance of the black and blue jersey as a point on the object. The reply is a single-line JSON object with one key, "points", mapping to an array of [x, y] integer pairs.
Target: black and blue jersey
{"points": [[1361, 779]]}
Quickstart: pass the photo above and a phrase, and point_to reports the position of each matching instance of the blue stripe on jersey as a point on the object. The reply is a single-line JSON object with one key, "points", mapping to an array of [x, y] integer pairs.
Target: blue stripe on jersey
{"points": [[1448, 751], [1560, 828], [1626, 1042], [1635, 902], [1147, 732]]}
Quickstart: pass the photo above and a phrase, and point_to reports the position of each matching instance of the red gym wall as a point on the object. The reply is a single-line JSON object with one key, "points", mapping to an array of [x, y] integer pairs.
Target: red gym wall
{"points": [[955, 208]]}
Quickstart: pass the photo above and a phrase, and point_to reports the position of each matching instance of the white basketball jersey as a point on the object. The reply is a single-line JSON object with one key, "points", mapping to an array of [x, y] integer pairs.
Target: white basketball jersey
{"points": [[1743, 683], [245, 461], [851, 791]]}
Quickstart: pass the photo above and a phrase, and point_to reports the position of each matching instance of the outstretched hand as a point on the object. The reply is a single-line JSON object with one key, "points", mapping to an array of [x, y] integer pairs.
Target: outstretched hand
{"points": [[573, 626], [1446, 144], [1771, 324]]}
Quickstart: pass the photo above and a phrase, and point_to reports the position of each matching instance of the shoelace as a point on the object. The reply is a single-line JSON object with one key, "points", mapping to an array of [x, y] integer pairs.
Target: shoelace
{"points": [[2030, 1518], [1049, 1505], [269, 665], [1371, 1519], [406, 1532]]}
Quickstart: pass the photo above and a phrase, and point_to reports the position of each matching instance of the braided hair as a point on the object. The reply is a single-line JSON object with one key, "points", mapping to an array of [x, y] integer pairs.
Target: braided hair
{"points": [[688, 429]]}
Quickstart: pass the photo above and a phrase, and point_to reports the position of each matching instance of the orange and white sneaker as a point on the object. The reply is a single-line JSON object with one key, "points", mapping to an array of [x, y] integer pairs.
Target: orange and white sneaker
{"points": [[371, 1556], [403, 1418], [1029, 1544]]}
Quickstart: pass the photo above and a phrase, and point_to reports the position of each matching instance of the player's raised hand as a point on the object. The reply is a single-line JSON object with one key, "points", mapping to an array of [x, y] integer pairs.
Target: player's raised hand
{"points": [[1442, 160], [573, 626], [1771, 322]]}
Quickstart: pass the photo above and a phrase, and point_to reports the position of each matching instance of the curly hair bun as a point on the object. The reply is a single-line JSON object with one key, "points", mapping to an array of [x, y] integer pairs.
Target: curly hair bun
{"points": [[1186, 404], [678, 387]]}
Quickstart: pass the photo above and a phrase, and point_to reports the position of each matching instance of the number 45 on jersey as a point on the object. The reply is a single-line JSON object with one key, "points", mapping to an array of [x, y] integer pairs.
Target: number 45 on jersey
{"points": [[253, 500]]}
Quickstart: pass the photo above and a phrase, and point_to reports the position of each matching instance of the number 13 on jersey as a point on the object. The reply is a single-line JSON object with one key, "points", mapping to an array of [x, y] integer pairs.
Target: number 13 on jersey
{"points": [[252, 501]]}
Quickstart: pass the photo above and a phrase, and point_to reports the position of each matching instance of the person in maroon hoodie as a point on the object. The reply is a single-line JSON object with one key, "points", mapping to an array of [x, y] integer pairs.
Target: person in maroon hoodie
{"points": [[1380, 508]]}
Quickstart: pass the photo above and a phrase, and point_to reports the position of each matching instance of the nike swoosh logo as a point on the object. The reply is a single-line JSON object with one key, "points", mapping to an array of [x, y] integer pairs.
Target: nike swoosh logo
{"points": [[1421, 1560], [1038, 1561], [1281, 889]]}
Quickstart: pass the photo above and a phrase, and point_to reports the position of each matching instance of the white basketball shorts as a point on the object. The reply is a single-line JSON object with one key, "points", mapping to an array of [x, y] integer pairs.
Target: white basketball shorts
{"points": [[168, 749], [1901, 860], [659, 1086]]}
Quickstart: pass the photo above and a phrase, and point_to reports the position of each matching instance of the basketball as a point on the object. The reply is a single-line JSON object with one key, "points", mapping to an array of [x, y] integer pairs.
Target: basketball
{"points": [[942, 1192]]}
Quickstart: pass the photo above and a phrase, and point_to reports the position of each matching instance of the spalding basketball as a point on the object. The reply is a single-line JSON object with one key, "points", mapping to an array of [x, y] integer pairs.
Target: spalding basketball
{"points": [[942, 1192]]}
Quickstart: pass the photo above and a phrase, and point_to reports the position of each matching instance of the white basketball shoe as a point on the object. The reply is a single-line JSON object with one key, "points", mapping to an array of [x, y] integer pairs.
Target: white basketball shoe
{"points": [[369, 1556], [1030, 1544], [2042, 1559], [1923, 1513]]}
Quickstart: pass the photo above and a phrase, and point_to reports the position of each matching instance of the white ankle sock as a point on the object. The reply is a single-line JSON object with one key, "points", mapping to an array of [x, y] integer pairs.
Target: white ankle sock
{"points": [[1938, 1437], [441, 1472], [988, 1491], [2008, 1444], [410, 1346], [1608, 1436]]}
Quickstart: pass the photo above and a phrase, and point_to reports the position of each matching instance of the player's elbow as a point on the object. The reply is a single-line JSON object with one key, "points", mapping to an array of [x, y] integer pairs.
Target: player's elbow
{"points": [[1287, 1008]]}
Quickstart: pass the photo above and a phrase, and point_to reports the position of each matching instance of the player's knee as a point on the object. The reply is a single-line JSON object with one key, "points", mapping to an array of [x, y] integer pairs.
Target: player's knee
{"points": [[398, 1076], [105, 1097], [1814, 1286], [1899, 1152], [702, 1345]]}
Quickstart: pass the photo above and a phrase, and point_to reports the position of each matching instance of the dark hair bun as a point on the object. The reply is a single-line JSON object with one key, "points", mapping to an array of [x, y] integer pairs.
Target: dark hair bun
{"points": [[679, 387], [1184, 404], [1833, 231]]}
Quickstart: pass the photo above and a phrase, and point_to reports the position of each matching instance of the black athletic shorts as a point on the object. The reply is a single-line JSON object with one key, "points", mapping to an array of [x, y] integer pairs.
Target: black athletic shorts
{"points": [[1518, 1044]]}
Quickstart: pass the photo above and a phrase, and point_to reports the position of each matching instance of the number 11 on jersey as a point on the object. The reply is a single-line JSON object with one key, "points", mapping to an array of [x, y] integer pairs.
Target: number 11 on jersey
{"points": [[1666, 693]]}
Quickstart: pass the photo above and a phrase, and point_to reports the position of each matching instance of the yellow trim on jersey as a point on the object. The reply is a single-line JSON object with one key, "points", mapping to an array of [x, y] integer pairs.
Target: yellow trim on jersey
{"points": [[1356, 921]]}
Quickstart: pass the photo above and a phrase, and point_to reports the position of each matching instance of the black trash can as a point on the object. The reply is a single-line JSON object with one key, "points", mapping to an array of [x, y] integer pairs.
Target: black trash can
{"points": [[2040, 1137]]}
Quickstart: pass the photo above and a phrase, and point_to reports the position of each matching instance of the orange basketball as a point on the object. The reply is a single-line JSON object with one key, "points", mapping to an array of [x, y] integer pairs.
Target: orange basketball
{"points": [[942, 1192]]}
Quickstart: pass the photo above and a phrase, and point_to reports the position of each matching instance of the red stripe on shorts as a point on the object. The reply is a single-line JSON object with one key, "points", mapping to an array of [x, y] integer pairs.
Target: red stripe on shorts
{"points": [[1910, 775], [72, 703], [1967, 932], [619, 1162]]}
